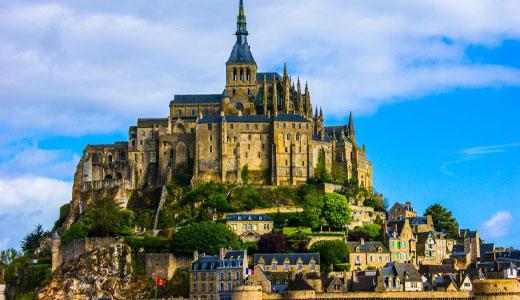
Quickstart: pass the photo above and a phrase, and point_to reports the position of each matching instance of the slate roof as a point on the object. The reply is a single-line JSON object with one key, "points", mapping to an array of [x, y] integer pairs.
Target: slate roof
{"points": [[197, 99], [436, 269], [148, 123], [269, 76], [293, 257], [467, 233], [367, 247], [212, 262], [318, 138], [299, 284], [248, 217], [458, 250], [241, 53], [252, 118], [405, 271], [509, 255], [487, 247], [418, 221]]}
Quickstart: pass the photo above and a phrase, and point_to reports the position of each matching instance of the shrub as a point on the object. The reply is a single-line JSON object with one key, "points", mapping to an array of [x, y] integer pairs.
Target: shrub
{"points": [[331, 253], [272, 243], [205, 237]]}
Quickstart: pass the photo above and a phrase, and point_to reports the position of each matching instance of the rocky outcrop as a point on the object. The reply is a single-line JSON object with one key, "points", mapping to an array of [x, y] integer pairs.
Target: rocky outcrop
{"points": [[106, 272]]}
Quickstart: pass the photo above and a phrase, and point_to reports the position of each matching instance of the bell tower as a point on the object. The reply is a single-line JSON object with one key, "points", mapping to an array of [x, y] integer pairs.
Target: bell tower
{"points": [[241, 68]]}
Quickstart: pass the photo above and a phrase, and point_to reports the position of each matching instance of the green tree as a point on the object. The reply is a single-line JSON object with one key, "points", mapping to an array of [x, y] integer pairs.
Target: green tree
{"points": [[312, 209], [32, 240], [244, 174], [8, 256], [336, 211], [338, 173], [205, 237], [321, 169], [443, 219], [371, 232], [109, 219], [331, 253]]}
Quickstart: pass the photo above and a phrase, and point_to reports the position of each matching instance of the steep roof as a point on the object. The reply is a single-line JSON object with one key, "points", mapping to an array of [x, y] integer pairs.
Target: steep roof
{"points": [[487, 247], [212, 262], [436, 269], [269, 76], [196, 99], [299, 284], [367, 247], [292, 257], [248, 217]]}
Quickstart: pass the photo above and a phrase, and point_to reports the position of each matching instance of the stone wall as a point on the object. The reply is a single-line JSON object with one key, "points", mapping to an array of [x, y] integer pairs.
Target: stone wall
{"points": [[68, 250], [162, 265], [496, 289], [362, 295]]}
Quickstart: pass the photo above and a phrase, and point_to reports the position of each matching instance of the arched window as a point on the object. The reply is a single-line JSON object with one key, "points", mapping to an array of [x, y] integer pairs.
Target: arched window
{"points": [[288, 136], [110, 159], [248, 74], [241, 74], [297, 136], [235, 74]]}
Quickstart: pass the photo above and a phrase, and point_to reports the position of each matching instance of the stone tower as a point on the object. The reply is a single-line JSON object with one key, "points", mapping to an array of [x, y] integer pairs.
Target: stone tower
{"points": [[241, 69]]}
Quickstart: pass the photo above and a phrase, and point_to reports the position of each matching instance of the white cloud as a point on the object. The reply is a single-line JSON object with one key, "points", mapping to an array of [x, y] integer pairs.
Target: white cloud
{"points": [[77, 68], [28, 201], [498, 225], [482, 150]]}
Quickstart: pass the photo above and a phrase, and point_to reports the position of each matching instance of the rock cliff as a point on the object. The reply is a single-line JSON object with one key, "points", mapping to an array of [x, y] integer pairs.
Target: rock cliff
{"points": [[106, 272]]}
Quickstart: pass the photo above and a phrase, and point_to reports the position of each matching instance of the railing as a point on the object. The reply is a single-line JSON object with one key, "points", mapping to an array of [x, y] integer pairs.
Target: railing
{"points": [[104, 184]]}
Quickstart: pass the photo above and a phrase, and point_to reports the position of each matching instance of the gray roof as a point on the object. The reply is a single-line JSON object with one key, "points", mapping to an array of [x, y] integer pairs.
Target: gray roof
{"points": [[458, 250], [418, 221], [241, 53], [252, 118], [212, 262], [367, 247], [405, 271], [269, 76], [293, 257], [299, 284], [487, 247], [248, 217], [197, 99], [148, 123], [432, 269], [467, 233]]}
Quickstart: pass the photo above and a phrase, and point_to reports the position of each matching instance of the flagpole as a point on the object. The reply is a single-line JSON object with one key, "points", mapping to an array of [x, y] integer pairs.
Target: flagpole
{"points": [[155, 288]]}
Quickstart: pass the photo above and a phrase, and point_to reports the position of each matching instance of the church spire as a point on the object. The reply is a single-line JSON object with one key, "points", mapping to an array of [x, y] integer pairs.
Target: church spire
{"points": [[286, 90], [299, 97], [351, 130], [241, 24], [308, 105]]}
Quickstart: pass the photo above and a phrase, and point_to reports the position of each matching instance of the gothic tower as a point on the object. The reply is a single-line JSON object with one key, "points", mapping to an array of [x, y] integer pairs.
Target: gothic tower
{"points": [[241, 68]]}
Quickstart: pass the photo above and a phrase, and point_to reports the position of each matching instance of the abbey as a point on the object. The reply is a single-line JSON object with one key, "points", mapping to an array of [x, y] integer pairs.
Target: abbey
{"points": [[264, 121]]}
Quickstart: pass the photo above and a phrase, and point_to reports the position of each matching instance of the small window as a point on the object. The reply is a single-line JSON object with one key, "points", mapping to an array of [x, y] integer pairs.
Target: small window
{"points": [[210, 149], [231, 126], [210, 126]]}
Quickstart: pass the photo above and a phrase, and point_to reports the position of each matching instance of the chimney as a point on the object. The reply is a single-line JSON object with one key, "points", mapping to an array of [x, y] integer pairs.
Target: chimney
{"points": [[384, 229], [361, 241], [408, 205], [222, 253], [195, 255], [395, 227]]}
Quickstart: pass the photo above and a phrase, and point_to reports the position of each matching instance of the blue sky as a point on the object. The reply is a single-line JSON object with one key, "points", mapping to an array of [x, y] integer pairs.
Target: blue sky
{"points": [[434, 86]]}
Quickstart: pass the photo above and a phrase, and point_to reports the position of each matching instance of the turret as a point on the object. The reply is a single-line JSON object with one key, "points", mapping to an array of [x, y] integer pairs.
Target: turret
{"points": [[308, 105], [286, 90], [351, 131], [299, 97], [275, 97]]}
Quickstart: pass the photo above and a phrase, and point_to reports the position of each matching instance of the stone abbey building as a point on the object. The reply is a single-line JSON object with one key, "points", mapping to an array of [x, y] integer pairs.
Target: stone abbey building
{"points": [[264, 120]]}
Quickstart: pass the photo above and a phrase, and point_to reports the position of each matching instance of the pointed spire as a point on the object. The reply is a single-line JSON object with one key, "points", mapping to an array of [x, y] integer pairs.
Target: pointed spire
{"points": [[321, 114], [264, 96], [351, 130], [275, 97], [316, 113], [241, 23], [299, 97], [286, 90], [308, 105]]}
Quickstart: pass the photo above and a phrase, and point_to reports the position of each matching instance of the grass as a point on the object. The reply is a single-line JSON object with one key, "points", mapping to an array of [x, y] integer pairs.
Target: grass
{"points": [[293, 230]]}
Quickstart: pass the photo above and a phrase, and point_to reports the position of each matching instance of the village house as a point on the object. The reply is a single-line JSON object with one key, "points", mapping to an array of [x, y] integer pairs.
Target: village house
{"points": [[249, 227], [367, 255]]}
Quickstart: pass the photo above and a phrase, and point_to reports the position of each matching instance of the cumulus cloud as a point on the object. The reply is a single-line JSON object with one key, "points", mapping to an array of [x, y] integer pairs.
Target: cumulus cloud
{"points": [[85, 67], [498, 225], [28, 201]]}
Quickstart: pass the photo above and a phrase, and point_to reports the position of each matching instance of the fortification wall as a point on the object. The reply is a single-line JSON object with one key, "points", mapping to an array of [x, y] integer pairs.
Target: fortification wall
{"points": [[69, 250], [363, 295], [496, 289], [162, 265]]}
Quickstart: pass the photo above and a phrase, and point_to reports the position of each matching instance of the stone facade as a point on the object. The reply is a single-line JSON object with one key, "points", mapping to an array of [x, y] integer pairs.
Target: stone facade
{"points": [[363, 255], [401, 241], [249, 227], [65, 251], [262, 120], [162, 265]]}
